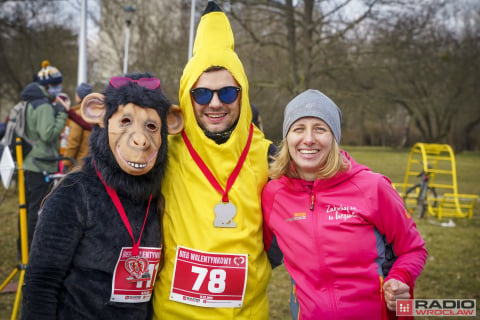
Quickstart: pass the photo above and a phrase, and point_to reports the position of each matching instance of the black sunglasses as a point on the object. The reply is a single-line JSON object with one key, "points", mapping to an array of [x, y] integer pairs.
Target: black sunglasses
{"points": [[226, 94]]}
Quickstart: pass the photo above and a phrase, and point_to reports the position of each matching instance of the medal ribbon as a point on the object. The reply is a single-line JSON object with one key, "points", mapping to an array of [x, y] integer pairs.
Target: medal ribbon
{"points": [[116, 201], [209, 175]]}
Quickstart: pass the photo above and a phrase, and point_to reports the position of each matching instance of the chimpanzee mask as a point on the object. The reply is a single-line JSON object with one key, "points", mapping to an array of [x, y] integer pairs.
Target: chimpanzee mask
{"points": [[128, 144]]}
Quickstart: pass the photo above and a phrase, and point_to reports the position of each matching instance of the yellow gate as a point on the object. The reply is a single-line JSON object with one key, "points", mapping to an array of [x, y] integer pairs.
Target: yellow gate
{"points": [[435, 164]]}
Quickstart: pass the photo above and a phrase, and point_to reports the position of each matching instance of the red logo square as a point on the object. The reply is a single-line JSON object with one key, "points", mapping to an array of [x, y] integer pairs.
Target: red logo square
{"points": [[404, 307]]}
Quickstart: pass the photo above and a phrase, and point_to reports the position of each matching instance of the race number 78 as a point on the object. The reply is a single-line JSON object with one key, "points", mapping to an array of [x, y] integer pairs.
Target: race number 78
{"points": [[216, 282]]}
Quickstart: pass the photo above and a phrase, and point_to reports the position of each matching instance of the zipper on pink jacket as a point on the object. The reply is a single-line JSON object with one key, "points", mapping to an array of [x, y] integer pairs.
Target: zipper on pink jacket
{"points": [[313, 201]]}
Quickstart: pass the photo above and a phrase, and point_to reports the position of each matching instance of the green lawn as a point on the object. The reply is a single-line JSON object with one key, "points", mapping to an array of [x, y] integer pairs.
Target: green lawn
{"points": [[453, 265]]}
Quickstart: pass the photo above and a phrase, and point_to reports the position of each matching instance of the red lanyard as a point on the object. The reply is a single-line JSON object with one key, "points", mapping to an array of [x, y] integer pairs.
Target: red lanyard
{"points": [[123, 215], [209, 175]]}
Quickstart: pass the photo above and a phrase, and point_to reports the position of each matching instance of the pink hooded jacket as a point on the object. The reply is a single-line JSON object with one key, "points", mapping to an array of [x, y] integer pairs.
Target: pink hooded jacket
{"points": [[332, 234]]}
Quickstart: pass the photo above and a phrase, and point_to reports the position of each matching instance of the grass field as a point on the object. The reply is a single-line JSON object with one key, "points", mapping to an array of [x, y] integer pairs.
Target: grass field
{"points": [[453, 265]]}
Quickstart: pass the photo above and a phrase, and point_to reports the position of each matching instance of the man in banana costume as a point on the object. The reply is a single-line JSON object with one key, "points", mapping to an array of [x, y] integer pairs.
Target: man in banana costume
{"points": [[215, 266]]}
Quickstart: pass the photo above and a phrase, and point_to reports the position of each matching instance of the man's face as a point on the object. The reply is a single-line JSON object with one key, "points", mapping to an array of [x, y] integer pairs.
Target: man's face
{"points": [[216, 116]]}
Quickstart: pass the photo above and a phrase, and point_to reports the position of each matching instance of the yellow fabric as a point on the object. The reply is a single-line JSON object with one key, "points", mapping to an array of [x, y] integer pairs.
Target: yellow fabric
{"points": [[190, 198]]}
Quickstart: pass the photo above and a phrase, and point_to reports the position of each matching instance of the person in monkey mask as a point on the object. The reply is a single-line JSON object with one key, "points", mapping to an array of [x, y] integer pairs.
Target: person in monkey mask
{"points": [[97, 247]]}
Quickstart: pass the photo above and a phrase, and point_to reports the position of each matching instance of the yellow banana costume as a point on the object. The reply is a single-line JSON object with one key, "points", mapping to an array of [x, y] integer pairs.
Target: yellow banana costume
{"points": [[190, 198]]}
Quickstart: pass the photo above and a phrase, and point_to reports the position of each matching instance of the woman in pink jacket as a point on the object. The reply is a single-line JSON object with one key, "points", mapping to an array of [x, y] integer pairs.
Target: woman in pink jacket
{"points": [[332, 219]]}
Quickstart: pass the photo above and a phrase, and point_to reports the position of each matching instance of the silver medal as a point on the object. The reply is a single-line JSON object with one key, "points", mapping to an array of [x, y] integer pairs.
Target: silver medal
{"points": [[224, 213]]}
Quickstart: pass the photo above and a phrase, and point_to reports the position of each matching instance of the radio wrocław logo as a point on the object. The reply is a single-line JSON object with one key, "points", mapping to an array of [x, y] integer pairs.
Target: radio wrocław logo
{"points": [[437, 307]]}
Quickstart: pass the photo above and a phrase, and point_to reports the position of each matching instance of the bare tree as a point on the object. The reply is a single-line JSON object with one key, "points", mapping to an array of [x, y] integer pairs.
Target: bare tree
{"points": [[31, 31], [300, 45], [422, 66], [466, 130], [158, 40]]}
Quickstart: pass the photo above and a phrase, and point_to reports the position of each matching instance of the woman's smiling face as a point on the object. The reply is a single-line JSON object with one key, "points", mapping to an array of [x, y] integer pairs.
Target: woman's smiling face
{"points": [[309, 142]]}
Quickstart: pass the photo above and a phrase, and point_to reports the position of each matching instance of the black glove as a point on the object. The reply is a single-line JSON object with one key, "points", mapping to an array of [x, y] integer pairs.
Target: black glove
{"points": [[57, 107]]}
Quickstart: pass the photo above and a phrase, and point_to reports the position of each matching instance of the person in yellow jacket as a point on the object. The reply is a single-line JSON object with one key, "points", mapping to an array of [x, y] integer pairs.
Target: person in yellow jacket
{"points": [[214, 266]]}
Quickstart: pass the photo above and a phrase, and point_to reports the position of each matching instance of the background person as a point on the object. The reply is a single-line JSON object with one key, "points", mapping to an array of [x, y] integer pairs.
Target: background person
{"points": [[45, 121], [77, 137], [331, 217], [212, 187], [256, 118]]}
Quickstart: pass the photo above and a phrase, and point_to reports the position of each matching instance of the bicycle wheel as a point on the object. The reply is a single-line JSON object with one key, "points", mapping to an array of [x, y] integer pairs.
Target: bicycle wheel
{"points": [[411, 195], [432, 199], [426, 199]]}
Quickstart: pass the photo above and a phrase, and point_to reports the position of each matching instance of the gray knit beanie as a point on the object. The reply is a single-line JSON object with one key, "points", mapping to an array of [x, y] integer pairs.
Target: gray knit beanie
{"points": [[313, 103], [84, 89]]}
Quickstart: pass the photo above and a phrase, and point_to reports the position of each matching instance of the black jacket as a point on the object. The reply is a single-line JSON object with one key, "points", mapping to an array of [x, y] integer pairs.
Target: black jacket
{"points": [[76, 246]]}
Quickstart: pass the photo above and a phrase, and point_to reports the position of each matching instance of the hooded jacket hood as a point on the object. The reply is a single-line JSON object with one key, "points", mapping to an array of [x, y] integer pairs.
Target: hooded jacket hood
{"points": [[214, 46], [355, 168], [35, 94]]}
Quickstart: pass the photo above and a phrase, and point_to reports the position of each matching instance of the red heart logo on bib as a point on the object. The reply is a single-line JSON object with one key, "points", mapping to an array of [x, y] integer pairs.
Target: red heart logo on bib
{"points": [[136, 266], [239, 261]]}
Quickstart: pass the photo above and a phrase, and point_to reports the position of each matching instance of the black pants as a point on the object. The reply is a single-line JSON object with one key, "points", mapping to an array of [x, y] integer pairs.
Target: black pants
{"points": [[36, 188]]}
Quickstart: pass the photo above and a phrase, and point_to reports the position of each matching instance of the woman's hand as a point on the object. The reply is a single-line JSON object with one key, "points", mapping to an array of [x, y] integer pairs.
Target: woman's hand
{"points": [[393, 290]]}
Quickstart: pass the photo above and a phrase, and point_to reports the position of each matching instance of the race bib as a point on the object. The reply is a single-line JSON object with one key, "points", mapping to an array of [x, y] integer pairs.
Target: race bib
{"points": [[134, 277], [209, 279]]}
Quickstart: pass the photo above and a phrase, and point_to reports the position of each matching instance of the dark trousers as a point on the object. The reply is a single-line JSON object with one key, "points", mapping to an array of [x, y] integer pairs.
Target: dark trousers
{"points": [[36, 188]]}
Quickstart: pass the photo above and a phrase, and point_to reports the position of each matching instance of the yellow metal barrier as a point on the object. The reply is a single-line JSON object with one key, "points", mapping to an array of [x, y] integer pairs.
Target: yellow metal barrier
{"points": [[442, 198], [457, 205]]}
